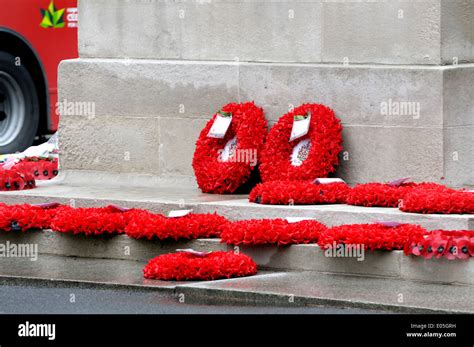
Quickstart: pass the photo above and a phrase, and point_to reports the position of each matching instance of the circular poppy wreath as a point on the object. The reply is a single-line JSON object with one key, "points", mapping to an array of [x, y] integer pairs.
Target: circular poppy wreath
{"points": [[148, 225], [271, 231], [26, 217], [223, 165], [298, 193], [91, 220], [386, 194], [450, 244], [443, 202], [372, 236], [184, 266], [308, 157]]}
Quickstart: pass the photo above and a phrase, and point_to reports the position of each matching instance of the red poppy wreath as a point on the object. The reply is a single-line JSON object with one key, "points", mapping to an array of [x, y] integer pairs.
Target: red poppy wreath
{"points": [[186, 266], [92, 220], [222, 165], [26, 217], [192, 226], [432, 201], [298, 193], [271, 231], [16, 179], [312, 155], [378, 236], [387, 194]]}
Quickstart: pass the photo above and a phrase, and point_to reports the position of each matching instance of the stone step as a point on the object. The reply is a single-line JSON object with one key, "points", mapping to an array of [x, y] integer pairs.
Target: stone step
{"points": [[309, 257], [162, 199], [285, 289]]}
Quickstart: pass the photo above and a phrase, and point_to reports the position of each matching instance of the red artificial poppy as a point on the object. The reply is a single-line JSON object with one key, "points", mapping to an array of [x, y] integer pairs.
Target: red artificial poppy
{"points": [[187, 266], [271, 231], [386, 194], [308, 157], [298, 193], [39, 168], [222, 165], [434, 201], [15, 179], [372, 236], [452, 244], [144, 224]]}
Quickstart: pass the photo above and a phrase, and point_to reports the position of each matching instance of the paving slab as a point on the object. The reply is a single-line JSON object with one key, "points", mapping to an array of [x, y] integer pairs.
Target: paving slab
{"points": [[310, 288]]}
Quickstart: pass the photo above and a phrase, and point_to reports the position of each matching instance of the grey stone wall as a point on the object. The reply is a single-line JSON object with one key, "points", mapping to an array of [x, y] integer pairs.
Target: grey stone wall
{"points": [[157, 70]]}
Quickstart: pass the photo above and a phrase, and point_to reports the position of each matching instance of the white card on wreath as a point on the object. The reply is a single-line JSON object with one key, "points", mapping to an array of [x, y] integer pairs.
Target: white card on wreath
{"points": [[300, 126], [221, 125], [178, 213], [297, 219], [326, 180]]}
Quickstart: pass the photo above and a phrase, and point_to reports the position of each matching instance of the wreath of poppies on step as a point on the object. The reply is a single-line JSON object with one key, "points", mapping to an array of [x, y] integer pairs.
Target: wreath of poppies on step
{"points": [[26, 217], [298, 193], [450, 244], [92, 220], [150, 226], [272, 232], [378, 236], [39, 168], [186, 266], [443, 202], [222, 165], [308, 157], [387, 194]]}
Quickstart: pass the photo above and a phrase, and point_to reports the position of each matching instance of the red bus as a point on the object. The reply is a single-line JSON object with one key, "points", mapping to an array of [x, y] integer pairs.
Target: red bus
{"points": [[35, 35]]}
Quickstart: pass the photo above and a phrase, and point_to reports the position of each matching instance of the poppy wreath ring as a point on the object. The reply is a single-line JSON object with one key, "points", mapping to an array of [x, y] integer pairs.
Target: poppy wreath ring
{"points": [[317, 151], [246, 134]]}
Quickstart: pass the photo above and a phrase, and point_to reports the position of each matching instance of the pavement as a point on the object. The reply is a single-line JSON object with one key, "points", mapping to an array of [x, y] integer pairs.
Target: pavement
{"points": [[44, 297], [266, 289]]}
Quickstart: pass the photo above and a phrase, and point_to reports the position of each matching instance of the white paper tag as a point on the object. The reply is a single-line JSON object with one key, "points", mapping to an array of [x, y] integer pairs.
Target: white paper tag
{"points": [[300, 152], [192, 251], [178, 213], [220, 125], [300, 126], [297, 219], [328, 180]]}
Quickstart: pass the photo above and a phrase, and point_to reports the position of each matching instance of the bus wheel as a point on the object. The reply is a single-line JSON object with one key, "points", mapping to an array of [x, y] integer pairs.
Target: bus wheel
{"points": [[19, 106]]}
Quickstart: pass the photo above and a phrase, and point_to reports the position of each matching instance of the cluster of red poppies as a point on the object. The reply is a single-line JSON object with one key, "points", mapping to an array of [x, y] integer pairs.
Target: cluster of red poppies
{"points": [[450, 244], [25, 217], [23, 175], [271, 231], [185, 266], [446, 202], [377, 236], [111, 219], [387, 194], [40, 168], [298, 193], [147, 225]]}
